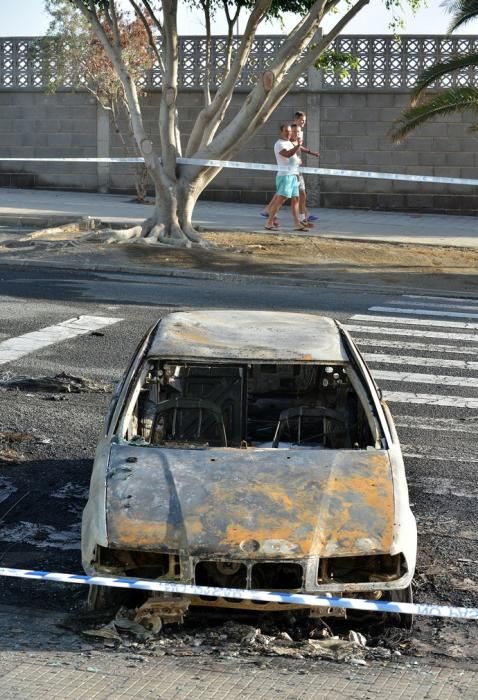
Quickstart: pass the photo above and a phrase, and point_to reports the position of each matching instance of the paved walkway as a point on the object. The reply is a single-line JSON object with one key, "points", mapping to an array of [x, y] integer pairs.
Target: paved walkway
{"points": [[39, 658], [433, 229]]}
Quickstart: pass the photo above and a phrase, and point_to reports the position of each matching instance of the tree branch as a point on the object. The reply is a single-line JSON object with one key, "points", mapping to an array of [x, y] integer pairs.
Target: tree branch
{"points": [[114, 27], [147, 28], [297, 41], [230, 32], [210, 118], [206, 7], [260, 105], [151, 159], [167, 111], [152, 14], [300, 66]]}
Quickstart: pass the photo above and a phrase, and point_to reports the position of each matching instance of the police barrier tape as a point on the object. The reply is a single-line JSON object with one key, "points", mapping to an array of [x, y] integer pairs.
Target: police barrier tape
{"points": [[268, 167], [307, 600], [241, 594]]}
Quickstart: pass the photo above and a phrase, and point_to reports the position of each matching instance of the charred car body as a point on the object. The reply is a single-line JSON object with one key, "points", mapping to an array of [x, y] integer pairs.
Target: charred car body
{"points": [[251, 450]]}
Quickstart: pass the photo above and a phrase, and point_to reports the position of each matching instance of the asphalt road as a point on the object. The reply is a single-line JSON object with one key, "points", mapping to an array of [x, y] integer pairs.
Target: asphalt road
{"points": [[423, 350]]}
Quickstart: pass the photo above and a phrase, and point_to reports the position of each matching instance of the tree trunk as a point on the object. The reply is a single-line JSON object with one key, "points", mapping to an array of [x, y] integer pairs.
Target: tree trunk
{"points": [[171, 221]]}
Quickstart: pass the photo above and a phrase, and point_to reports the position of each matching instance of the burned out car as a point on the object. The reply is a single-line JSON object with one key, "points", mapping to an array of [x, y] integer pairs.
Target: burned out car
{"points": [[251, 450]]}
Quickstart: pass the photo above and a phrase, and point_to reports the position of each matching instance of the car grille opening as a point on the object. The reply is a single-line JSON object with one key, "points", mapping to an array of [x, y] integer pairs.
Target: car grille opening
{"points": [[375, 568], [279, 576], [139, 564], [226, 574]]}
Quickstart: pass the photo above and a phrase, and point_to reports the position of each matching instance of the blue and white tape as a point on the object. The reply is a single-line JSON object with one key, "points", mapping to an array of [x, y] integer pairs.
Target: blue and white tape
{"points": [[330, 172], [305, 599]]}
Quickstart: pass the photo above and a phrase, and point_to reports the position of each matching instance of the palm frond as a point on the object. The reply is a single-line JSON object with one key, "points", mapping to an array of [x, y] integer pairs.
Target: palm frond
{"points": [[434, 73], [447, 102], [464, 12]]}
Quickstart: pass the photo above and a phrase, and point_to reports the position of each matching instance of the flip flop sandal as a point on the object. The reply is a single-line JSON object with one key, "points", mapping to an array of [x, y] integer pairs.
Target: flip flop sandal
{"points": [[312, 218]]}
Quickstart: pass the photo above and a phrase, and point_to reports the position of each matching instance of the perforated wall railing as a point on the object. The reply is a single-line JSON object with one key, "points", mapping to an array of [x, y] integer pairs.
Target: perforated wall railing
{"points": [[385, 62], [388, 62]]}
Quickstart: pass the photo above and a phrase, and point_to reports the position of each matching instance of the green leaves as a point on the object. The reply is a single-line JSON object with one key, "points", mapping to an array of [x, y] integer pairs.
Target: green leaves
{"points": [[433, 74], [464, 11], [339, 63], [447, 102], [454, 99]]}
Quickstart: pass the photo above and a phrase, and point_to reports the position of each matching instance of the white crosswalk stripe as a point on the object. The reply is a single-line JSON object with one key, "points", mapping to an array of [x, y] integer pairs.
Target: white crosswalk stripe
{"points": [[429, 399], [433, 305], [446, 486], [449, 425], [410, 332], [419, 347], [419, 378], [426, 312], [412, 321], [437, 454], [14, 348], [425, 297], [372, 357]]}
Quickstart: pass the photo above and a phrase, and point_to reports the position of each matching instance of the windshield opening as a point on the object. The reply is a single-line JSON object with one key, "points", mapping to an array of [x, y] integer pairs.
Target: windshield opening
{"points": [[281, 406]]}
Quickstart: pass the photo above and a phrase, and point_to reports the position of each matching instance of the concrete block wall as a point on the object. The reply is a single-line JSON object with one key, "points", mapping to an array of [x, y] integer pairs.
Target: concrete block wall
{"points": [[349, 128], [355, 130], [34, 124]]}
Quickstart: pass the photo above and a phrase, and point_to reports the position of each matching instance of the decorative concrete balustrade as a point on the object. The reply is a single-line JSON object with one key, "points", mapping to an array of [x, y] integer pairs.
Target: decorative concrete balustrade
{"points": [[386, 62]]}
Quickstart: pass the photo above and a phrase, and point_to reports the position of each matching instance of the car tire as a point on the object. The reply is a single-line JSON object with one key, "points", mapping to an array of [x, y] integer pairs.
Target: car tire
{"points": [[104, 598], [403, 620]]}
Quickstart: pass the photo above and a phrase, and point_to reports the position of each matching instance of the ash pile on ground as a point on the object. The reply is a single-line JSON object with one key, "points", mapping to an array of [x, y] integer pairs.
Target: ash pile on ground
{"points": [[285, 635]]}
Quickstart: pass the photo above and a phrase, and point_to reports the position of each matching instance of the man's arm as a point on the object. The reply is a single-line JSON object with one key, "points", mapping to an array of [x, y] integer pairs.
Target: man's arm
{"points": [[292, 151], [304, 149]]}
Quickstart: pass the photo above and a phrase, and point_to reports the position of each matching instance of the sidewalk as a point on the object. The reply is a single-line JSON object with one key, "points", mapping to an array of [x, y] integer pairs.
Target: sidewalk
{"points": [[432, 229], [423, 253], [39, 658]]}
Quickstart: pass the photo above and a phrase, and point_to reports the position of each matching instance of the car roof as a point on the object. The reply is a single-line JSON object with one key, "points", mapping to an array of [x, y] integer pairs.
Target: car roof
{"points": [[248, 335]]}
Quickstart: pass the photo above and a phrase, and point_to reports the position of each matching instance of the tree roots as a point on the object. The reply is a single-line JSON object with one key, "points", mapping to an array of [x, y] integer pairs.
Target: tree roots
{"points": [[151, 233]]}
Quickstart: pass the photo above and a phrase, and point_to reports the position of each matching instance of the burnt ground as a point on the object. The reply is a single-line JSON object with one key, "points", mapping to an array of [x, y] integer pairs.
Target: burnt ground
{"points": [[40, 529]]}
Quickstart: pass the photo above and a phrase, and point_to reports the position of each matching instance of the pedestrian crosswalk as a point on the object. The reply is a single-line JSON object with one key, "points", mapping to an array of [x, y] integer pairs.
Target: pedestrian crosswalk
{"points": [[422, 352], [398, 317]]}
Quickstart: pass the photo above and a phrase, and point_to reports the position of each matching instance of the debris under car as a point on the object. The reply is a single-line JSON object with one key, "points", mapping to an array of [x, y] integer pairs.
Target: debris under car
{"points": [[250, 450]]}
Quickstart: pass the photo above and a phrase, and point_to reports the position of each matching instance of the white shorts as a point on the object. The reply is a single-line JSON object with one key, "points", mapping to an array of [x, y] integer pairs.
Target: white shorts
{"points": [[301, 182]]}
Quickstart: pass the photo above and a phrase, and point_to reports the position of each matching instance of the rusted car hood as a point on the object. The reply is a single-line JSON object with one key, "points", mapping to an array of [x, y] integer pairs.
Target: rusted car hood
{"points": [[250, 503]]}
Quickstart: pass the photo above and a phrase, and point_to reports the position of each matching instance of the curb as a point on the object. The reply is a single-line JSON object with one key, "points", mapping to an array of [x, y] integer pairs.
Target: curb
{"points": [[89, 222], [49, 221], [166, 272]]}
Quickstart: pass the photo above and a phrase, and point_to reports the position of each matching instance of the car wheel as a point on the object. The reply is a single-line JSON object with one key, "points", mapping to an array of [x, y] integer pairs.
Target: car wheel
{"points": [[104, 598], [404, 620]]}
